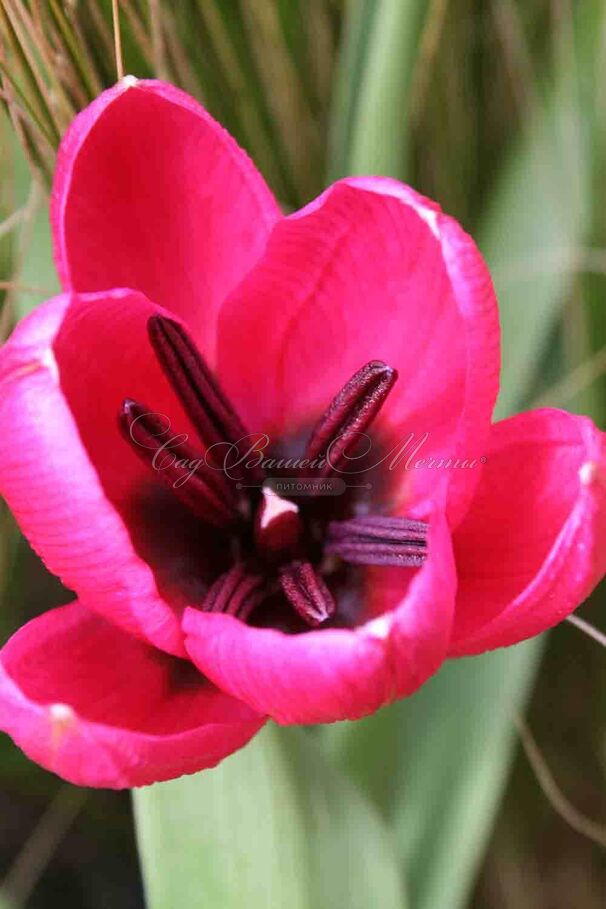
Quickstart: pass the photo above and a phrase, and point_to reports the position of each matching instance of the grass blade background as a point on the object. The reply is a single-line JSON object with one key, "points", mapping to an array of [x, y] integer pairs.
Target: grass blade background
{"points": [[538, 216], [34, 271], [274, 825], [370, 116], [459, 745]]}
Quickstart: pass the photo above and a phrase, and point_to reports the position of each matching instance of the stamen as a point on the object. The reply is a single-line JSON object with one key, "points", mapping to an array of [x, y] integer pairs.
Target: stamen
{"points": [[307, 592], [277, 526], [236, 592], [350, 413], [183, 365], [272, 536], [378, 541], [178, 467]]}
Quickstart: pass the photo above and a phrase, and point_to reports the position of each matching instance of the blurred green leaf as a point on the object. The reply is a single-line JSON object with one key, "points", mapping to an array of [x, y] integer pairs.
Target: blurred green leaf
{"points": [[274, 825], [436, 765], [370, 125], [459, 744], [37, 274], [306, 53], [350, 66], [538, 217], [256, 94], [34, 273]]}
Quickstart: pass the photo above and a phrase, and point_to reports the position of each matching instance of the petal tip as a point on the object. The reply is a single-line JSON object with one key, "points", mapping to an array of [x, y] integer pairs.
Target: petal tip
{"points": [[589, 473], [379, 628], [62, 718], [128, 82]]}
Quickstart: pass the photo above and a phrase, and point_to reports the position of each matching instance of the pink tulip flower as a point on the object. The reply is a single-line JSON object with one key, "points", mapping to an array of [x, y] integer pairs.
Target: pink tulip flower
{"points": [[259, 450]]}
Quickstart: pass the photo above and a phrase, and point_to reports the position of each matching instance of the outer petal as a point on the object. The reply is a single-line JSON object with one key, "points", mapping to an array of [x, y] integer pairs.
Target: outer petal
{"points": [[533, 544], [68, 476], [370, 270], [333, 674], [151, 193], [100, 708]]}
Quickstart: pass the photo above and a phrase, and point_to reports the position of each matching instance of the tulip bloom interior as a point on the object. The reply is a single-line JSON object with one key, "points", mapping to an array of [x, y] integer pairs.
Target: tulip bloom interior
{"points": [[193, 310], [279, 546]]}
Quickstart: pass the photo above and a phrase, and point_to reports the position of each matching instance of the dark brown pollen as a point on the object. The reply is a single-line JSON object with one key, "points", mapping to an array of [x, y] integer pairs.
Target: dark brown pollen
{"points": [[349, 414], [236, 592], [307, 592], [213, 416], [375, 540], [206, 492]]}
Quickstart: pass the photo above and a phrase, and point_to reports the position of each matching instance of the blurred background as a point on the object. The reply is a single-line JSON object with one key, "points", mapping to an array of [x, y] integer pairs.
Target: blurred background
{"points": [[497, 109]]}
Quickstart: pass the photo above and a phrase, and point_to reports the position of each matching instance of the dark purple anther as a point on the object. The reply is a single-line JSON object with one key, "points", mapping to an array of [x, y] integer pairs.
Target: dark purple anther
{"points": [[204, 491], [236, 592], [307, 592], [211, 413], [278, 544], [378, 541], [350, 413]]}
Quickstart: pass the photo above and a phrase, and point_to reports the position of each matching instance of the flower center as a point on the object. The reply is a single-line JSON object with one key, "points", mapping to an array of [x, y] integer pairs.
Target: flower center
{"points": [[279, 544]]}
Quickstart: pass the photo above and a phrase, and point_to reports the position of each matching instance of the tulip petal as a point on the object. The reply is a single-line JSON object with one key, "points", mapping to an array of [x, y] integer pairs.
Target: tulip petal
{"points": [[151, 193], [100, 708], [90, 508], [334, 674], [533, 544], [370, 270]]}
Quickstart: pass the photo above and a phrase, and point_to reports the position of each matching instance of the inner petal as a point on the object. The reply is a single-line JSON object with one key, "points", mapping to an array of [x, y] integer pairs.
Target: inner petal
{"points": [[65, 660], [151, 193], [527, 493], [353, 277], [103, 353]]}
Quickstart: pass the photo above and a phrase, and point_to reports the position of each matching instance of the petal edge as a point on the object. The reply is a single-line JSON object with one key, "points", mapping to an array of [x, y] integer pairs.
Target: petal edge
{"points": [[137, 718], [533, 545]]}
